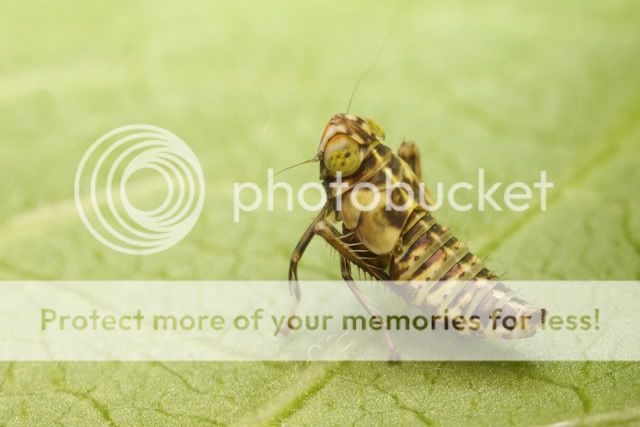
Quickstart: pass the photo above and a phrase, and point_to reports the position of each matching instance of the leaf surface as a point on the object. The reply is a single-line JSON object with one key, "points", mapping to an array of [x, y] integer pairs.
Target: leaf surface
{"points": [[513, 88]]}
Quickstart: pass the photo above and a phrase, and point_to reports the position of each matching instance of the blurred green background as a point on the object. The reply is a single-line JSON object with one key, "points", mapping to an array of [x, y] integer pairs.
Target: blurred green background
{"points": [[512, 87]]}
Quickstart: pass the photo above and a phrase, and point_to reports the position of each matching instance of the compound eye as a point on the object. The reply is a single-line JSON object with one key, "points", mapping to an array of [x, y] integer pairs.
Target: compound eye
{"points": [[342, 155]]}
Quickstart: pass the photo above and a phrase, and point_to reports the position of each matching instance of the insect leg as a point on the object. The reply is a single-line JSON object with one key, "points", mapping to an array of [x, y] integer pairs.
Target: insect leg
{"points": [[410, 153], [345, 269], [332, 236], [298, 251]]}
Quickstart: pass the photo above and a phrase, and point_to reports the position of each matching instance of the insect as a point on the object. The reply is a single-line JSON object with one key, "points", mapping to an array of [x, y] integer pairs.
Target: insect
{"points": [[408, 249]]}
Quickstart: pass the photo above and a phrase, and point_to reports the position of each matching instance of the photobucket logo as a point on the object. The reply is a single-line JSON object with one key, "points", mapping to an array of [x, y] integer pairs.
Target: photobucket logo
{"points": [[105, 172], [517, 196]]}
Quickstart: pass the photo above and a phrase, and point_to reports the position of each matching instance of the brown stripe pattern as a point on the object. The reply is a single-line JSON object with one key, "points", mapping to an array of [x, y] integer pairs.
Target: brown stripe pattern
{"points": [[435, 271]]}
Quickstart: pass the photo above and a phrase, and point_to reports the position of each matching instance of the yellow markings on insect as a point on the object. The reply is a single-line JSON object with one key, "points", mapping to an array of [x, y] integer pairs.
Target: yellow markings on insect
{"points": [[376, 129], [342, 155], [398, 242]]}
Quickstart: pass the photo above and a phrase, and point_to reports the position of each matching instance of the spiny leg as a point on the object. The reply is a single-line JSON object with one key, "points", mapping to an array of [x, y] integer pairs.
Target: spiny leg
{"points": [[410, 153], [296, 256], [298, 251], [325, 230], [332, 236], [348, 255], [345, 269]]}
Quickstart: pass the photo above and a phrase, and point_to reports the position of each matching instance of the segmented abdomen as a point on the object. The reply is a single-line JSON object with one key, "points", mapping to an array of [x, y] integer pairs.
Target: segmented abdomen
{"points": [[435, 271]]}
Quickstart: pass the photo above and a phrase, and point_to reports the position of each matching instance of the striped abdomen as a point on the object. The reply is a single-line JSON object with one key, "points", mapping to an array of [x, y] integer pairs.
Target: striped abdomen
{"points": [[436, 272]]}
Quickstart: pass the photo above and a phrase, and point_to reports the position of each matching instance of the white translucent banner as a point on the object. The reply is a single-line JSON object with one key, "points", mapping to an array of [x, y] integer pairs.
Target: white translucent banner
{"points": [[236, 321]]}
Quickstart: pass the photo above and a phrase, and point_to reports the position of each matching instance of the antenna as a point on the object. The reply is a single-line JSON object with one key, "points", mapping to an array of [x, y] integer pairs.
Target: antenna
{"points": [[363, 75], [316, 158]]}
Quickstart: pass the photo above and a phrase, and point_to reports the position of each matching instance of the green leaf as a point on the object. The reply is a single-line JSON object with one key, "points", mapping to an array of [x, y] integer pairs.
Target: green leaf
{"points": [[513, 88]]}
